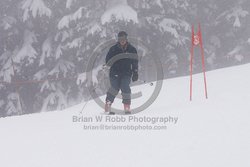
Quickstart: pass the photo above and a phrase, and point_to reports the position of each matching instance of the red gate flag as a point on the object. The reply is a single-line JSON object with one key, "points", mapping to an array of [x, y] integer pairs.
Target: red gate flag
{"points": [[197, 41]]}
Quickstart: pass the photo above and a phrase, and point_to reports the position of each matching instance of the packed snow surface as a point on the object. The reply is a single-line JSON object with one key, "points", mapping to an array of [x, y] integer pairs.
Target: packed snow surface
{"points": [[201, 133]]}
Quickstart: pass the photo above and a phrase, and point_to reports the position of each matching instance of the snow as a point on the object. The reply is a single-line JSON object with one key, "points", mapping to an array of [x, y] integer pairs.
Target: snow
{"points": [[69, 3], [171, 25], [213, 132], [65, 21], [120, 12], [13, 107], [63, 66], [7, 22], [236, 54], [76, 43], [46, 50], [94, 28], [236, 14], [36, 7], [58, 51], [158, 2], [81, 78], [167, 25], [7, 67], [239, 57], [27, 51], [41, 74]]}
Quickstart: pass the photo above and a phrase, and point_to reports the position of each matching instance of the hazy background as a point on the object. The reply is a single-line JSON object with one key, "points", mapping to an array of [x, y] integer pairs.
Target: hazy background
{"points": [[50, 42]]}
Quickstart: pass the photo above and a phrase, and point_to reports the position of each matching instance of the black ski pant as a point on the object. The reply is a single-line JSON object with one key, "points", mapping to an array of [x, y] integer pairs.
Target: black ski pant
{"points": [[117, 83]]}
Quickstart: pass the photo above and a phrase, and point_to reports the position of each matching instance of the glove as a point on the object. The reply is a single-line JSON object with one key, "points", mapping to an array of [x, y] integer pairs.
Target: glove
{"points": [[135, 76], [105, 67]]}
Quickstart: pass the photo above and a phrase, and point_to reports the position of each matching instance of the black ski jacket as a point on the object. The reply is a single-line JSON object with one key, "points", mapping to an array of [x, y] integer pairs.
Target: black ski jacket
{"points": [[123, 61]]}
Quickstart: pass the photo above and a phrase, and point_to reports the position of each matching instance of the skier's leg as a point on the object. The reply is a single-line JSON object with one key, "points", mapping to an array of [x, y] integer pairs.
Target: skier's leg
{"points": [[126, 92], [114, 88]]}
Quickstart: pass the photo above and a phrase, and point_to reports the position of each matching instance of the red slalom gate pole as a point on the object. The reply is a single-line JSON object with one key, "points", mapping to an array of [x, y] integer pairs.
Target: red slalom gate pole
{"points": [[203, 61], [197, 40]]}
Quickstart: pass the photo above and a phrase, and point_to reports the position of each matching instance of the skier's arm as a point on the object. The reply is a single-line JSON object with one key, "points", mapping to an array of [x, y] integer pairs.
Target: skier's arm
{"points": [[135, 62], [108, 57]]}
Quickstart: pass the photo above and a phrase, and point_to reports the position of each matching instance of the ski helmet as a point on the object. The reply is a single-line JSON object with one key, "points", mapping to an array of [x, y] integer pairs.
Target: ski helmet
{"points": [[122, 34]]}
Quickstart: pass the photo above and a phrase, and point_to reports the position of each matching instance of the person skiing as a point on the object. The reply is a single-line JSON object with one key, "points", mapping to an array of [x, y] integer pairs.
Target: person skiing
{"points": [[122, 60]]}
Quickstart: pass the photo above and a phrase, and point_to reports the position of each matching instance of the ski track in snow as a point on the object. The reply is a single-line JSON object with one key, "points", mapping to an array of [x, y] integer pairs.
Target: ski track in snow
{"points": [[209, 133]]}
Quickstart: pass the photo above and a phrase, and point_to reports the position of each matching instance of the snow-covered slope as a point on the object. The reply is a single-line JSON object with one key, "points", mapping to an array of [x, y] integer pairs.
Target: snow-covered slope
{"points": [[207, 133]]}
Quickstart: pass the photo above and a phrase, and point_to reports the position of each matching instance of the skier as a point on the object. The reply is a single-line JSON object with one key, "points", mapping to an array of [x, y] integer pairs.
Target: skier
{"points": [[122, 70]]}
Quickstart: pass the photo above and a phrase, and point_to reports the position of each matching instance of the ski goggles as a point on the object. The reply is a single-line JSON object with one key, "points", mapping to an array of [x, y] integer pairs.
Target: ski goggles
{"points": [[122, 38]]}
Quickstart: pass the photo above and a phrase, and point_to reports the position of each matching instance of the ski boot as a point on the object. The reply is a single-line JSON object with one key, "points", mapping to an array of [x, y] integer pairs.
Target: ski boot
{"points": [[108, 108], [127, 109]]}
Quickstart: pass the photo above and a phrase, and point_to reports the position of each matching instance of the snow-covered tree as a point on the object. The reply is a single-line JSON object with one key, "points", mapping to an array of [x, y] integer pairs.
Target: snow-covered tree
{"points": [[50, 42]]}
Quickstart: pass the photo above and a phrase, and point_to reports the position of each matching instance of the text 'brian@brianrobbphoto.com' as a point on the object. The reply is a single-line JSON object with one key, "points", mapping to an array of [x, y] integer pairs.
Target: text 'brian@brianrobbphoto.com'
{"points": [[120, 122]]}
